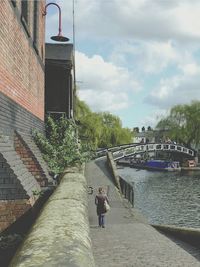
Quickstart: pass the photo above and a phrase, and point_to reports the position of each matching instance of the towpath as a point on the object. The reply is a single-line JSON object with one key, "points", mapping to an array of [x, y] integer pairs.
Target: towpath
{"points": [[128, 240]]}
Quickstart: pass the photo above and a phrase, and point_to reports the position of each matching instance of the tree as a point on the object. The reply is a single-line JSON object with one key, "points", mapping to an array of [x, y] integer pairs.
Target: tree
{"points": [[183, 124], [101, 129], [82, 108], [136, 129], [90, 127], [113, 133]]}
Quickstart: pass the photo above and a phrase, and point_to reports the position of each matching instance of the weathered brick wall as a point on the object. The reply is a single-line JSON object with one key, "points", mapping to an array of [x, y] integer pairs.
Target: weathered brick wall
{"points": [[11, 210], [22, 54], [16, 186], [21, 65], [30, 161], [15, 117]]}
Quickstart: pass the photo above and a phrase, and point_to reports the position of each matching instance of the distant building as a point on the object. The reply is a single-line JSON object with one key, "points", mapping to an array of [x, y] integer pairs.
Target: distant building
{"points": [[145, 136]]}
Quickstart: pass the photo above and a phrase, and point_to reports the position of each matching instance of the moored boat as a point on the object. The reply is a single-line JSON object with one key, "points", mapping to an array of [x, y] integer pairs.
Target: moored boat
{"points": [[164, 165], [154, 164]]}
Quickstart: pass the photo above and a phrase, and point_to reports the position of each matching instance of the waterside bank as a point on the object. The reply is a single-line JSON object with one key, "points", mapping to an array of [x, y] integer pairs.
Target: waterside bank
{"points": [[62, 233], [128, 240]]}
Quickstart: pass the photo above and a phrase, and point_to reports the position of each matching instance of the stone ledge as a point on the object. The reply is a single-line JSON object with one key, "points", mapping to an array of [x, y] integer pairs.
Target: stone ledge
{"points": [[60, 235], [188, 235]]}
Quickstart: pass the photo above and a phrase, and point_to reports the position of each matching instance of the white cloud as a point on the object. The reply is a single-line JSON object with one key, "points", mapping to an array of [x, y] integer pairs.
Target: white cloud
{"points": [[136, 20], [153, 117], [190, 69], [158, 55], [180, 89], [153, 57], [186, 16], [104, 101], [134, 39], [127, 27], [103, 85]]}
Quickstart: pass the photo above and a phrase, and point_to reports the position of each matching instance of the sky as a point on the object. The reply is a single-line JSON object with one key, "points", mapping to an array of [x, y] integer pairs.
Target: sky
{"points": [[133, 58]]}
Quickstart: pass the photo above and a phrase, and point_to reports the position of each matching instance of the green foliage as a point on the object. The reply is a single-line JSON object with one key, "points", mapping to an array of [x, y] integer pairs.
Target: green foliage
{"points": [[90, 125], [183, 124], [60, 146], [82, 108], [37, 193], [101, 129], [113, 134]]}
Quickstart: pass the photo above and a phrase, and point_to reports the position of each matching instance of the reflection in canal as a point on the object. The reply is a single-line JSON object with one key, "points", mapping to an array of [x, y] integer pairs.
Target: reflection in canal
{"points": [[166, 197]]}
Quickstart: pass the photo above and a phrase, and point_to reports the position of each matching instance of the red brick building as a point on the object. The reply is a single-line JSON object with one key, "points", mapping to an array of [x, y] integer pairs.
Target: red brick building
{"points": [[23, 173], [22, 48]]}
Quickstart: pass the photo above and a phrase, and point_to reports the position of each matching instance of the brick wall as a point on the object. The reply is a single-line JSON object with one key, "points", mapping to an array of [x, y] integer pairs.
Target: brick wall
{"points": [[21, 63], [30, 161], [17, 185], [15, 117], [22, 55], [11, 210]]}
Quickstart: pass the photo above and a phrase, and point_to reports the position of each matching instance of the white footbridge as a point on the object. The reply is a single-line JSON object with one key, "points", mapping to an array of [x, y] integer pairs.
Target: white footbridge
{"points": [[128, 150]]}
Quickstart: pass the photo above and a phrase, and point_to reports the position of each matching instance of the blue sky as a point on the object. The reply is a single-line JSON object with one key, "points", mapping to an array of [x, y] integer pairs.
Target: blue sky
{"points": [[134, 58]]}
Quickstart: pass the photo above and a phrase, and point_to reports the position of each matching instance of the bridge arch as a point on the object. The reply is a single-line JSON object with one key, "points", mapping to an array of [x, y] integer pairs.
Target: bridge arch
{"points": [[150, 147]]}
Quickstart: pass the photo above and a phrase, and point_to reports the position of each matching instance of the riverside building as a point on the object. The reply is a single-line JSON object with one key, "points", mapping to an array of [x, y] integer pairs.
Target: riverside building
{"points": [[23, 173]]}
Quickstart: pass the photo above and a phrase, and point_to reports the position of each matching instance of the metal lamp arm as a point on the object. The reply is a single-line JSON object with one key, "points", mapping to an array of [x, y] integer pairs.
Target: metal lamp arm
{"points": [[45, 12]]}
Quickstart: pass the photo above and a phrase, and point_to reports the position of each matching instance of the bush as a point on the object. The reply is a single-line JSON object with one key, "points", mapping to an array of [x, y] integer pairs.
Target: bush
{"points": [[60, 147]]}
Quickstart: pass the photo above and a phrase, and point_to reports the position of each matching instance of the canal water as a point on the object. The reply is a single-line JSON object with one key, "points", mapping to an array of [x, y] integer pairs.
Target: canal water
{"points": [[170, 198]]}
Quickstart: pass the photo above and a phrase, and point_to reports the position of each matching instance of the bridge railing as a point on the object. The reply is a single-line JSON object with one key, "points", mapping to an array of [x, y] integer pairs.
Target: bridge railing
{"points": [[141, 148], [103, 151]]}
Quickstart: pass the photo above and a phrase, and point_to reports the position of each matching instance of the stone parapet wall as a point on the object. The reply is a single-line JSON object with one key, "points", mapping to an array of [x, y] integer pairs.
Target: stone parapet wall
{"points": [[60, 235], [113, 170]]}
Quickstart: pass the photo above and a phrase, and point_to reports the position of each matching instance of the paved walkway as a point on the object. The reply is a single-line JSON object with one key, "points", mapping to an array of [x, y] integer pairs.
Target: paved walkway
{"points": [[128, 240]]}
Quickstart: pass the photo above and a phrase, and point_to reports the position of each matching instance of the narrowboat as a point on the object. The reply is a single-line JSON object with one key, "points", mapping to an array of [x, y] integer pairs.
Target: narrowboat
{"points": [[154, 164]]}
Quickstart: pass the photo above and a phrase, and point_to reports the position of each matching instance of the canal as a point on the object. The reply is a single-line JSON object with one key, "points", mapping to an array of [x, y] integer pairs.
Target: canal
{"points": [[170, 198]]}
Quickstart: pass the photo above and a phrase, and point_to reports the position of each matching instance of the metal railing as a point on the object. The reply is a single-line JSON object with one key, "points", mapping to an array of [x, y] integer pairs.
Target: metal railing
{"points": [[122, 151], [127, 190], [142, 148]]}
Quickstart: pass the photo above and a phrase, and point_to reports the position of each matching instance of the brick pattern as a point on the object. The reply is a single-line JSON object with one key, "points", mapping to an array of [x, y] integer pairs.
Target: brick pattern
{"points": [[21, 69], [15, 175], [10, 186], [21, 105], [11, 210], [28, 140], [30, 160], [13, 116], [17, 184]]}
